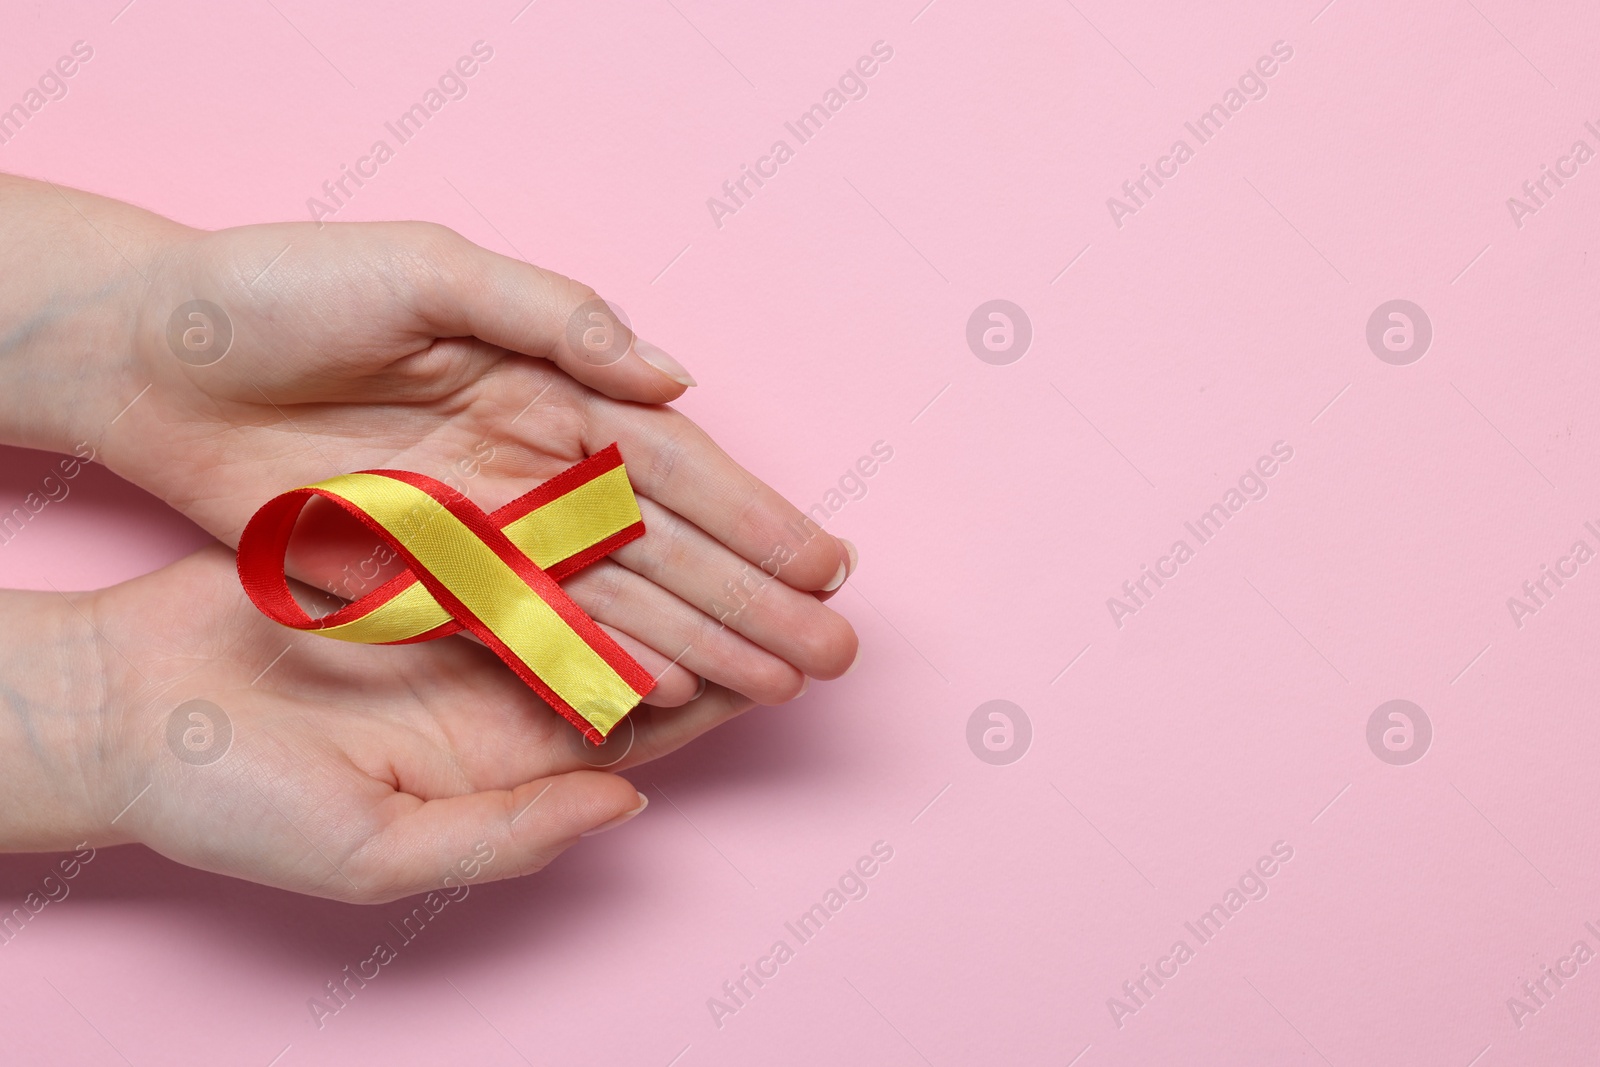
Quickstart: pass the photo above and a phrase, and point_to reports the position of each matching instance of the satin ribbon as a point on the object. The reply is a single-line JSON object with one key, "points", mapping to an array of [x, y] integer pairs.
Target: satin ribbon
{"points": [[492, 574]]}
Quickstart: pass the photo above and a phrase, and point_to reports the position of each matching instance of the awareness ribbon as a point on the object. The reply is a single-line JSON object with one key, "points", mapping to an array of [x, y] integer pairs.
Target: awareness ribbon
{"points": [[493, 574]]}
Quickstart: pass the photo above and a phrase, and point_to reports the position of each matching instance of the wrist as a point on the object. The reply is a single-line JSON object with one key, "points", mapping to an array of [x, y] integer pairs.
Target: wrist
{"points": [[74, 273], [54, 744]]}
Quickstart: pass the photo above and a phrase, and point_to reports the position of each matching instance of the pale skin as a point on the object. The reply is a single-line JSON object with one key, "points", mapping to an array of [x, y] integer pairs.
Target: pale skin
{"points": [[362, 773]]}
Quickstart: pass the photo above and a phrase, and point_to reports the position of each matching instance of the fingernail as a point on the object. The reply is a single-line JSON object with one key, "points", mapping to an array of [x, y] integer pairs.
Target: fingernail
{"points": [[644, 802], [803, 687], [838, 578], [663, 362], [855, 557], [700, 690], [853, 662]]}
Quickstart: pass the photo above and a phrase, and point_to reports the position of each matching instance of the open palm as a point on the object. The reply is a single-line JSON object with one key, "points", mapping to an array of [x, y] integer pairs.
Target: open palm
{"points": [[358, 772]]}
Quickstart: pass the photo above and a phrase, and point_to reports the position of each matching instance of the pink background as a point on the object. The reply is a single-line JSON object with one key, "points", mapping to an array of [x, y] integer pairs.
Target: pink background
{"points": [[830, 313]]}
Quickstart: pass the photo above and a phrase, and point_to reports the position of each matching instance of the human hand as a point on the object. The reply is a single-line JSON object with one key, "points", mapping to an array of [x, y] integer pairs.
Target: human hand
{"points": [[404, 345], [358, 772]]}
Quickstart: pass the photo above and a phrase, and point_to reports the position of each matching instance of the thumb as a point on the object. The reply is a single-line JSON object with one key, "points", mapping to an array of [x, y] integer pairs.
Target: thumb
{"points": [[453, 843], [540, 313]]}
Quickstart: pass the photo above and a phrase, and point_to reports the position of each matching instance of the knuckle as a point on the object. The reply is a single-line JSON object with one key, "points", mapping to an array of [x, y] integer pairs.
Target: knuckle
{"points": [[599, 586], [749, 525], [670, 448], [429, 264], [576, 293], [566, 297], [667, 539], [707, 635], [437, 247], [436, 236], [766, 679]]}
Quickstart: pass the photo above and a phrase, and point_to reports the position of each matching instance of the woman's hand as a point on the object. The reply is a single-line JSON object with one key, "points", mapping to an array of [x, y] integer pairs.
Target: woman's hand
{"points": [[358, 772], [322, 350]]}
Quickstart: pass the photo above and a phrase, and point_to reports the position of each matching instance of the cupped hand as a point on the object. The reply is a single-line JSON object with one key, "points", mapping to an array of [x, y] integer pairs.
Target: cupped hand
{"points": [[358, 772], [403, 345]]}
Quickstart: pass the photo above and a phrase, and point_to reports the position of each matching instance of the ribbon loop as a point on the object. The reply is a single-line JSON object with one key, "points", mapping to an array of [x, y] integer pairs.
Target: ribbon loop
{"points": [[494, 575]]}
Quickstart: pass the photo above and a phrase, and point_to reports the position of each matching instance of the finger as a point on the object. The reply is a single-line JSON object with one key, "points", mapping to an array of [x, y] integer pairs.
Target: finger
{"points": [[540, 313], [658, 732], [613, 594], [673, 462], [850, 568], [498, 736], [794, 626], [451, 843], [675, 683]]}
